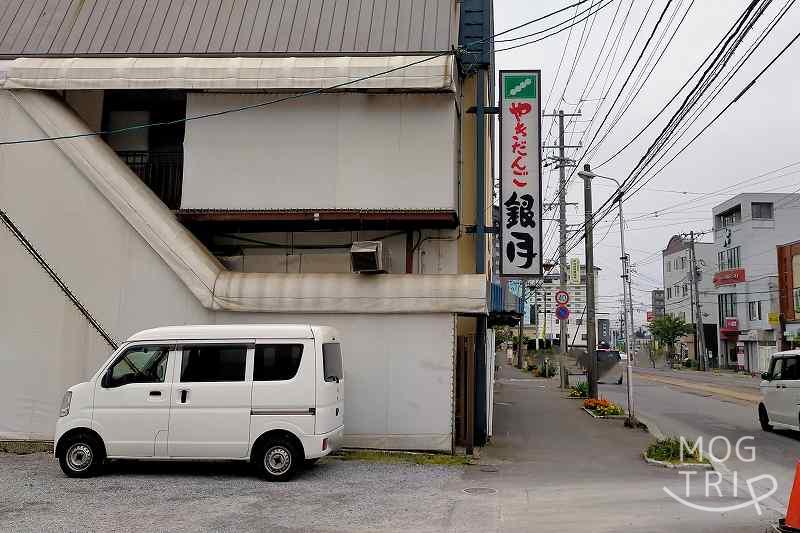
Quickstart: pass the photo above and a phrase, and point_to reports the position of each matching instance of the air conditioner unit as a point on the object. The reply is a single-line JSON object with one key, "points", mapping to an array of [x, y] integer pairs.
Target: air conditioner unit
{"points": [[369, 257]]}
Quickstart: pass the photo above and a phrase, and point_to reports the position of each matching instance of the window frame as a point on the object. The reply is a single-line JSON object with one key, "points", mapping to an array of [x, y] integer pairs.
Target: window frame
{"points": [[108, 370], [760, 207], [246, 344], [267, 342], [325, 369]]}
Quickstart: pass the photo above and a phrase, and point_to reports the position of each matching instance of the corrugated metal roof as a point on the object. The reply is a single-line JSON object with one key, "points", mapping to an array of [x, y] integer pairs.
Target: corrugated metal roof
{"points": [[225, 27]]}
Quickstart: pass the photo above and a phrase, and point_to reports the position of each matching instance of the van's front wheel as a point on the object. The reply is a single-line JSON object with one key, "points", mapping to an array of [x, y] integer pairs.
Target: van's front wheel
{"points": [[81, 457], [278, 459]]}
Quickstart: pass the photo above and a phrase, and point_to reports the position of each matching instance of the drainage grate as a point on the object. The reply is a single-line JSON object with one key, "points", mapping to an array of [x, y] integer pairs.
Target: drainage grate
{"points": [[480, 491], [488, 468]]}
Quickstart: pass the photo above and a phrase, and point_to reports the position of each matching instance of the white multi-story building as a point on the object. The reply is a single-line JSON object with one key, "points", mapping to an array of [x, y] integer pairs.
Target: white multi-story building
{"points": [[541, 311], [747, 229], [679, 294]]}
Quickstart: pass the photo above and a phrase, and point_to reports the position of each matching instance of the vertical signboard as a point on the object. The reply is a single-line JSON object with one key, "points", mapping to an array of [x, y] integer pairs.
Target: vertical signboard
{"points": [[520, 173], [574, 271]]}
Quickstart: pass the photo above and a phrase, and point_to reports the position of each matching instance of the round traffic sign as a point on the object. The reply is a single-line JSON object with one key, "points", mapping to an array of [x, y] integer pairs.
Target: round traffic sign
{"points": [[562, 312], [562, 297]]}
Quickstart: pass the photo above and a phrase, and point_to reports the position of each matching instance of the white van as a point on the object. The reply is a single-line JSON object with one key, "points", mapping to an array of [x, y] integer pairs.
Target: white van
{"points": [[780, 388], [270, 394]]}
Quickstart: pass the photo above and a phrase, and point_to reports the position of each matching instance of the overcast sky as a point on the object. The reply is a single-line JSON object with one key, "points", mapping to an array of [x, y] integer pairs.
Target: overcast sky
{"points": [[758, 134]]}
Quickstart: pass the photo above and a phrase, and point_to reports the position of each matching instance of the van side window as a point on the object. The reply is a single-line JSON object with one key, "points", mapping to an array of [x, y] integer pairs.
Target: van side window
{"points": [[139, 364], [276, 362], [789, 369], [213, 362], [332, 361]]}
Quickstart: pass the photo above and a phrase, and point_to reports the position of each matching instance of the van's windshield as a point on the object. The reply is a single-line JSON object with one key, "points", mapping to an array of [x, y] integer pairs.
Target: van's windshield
{"points": [[332, 361]]}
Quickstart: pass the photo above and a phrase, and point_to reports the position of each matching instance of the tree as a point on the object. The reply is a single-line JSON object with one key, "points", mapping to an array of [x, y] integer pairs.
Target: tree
{"points": [[503, 334], [668, 329]]}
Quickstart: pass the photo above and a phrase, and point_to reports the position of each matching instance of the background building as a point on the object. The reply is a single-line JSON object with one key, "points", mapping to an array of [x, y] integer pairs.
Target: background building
{"points": [[679, 295], [657, 302], [540, 312], [747, 229]]}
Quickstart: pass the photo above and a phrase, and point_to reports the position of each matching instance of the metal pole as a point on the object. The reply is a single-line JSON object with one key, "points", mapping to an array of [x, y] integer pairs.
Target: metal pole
{"points": [[591, 341], [628, 324], [562, 246]]}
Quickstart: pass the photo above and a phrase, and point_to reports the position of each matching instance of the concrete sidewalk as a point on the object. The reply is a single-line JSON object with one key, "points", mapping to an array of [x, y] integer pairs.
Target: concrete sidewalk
{"points": [[557, 469]]}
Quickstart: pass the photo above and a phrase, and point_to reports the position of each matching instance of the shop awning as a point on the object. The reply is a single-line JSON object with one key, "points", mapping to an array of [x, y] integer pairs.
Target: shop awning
{"points": [[227, 73]]}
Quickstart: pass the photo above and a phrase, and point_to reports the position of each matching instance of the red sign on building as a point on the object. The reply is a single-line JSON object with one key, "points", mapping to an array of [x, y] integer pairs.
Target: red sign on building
{"points": [[729, 277], [731, 324], [650, 316]]}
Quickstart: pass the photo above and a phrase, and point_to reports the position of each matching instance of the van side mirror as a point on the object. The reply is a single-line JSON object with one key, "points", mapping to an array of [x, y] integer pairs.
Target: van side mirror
{"points": [[105, 382], [766, 376]]}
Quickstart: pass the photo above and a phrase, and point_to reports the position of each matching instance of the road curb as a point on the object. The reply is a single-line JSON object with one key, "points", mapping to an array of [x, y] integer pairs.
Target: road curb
{"points": [[665, 464]]}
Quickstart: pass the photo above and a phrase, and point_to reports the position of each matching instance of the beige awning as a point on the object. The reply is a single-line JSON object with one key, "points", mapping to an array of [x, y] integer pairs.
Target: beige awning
{"points": [[260, 73]]}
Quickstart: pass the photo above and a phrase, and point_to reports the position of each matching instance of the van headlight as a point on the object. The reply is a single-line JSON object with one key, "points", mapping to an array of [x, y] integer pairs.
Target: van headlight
{"points": [[65, 404]]}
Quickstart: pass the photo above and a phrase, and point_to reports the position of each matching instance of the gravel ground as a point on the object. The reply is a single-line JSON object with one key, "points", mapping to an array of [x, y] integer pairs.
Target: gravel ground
{"points": [[334, 495]]}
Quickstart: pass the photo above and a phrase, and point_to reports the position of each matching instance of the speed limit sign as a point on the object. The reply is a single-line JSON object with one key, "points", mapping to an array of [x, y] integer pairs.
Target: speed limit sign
{"points": [[562, 297]]}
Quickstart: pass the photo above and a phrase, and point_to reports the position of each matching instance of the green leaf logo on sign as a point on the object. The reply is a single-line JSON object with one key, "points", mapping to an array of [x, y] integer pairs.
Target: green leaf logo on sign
{"points": [[519, 86]]}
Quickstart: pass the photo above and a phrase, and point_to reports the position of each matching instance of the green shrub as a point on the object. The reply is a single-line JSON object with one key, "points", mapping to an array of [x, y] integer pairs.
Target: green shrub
{"points": [[581, 390], [669, 450]]}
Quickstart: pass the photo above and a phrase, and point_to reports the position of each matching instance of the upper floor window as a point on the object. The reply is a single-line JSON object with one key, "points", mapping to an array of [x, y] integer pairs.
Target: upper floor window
{"points": [[729, 258], [730, 217], [683, 263], [762, 210], [669, 293], [754, 310], [669, 266]]}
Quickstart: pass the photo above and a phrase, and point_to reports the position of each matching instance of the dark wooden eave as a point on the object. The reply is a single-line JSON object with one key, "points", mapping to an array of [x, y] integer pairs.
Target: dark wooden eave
{"points": [[237, 220]]}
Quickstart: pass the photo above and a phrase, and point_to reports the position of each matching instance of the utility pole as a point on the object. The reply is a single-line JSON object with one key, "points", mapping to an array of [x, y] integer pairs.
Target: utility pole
{"points": [[699, 333], [562, 243], [591, 340]]}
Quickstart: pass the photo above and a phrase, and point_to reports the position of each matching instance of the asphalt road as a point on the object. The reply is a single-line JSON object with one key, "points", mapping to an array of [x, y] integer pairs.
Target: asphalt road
{"points": [[695, 414]]}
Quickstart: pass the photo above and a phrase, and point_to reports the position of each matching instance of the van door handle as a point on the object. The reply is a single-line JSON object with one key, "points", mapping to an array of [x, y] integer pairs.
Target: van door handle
{"points": [[155, 393], [184, 392]]}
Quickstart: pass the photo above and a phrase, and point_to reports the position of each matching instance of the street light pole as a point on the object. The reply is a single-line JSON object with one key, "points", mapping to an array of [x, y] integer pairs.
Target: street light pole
{"points": [[627, 322]]}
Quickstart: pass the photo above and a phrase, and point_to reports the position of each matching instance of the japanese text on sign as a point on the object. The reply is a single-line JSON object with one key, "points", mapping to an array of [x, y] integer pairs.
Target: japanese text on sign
{"points": [[520, 174]]}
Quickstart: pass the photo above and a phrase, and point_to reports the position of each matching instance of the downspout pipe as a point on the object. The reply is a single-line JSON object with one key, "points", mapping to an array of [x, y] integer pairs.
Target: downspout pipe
{"points": [[481, 407]]}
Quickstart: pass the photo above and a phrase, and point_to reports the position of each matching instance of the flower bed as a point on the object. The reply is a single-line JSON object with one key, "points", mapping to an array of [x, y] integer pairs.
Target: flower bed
{"points": [[603, 408]]}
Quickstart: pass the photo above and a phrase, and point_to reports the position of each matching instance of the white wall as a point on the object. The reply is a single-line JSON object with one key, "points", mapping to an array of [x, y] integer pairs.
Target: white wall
{"points": [[399, 376], [343, 151], [399, 367], [436, 254]]}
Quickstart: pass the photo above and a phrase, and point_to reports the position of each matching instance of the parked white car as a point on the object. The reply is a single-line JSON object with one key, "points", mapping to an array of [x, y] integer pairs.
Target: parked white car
{"points": [[780, 388], [269, 394]]}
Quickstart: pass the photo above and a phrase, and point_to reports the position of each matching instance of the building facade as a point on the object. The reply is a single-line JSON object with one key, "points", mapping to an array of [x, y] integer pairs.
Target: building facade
{"points": [[657, 302], [747, 229], [679, 293], [789, 295], [287, 141]]}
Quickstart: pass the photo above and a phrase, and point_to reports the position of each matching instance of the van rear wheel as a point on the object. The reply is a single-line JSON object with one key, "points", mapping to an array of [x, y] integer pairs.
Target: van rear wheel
{"points": [[278, 459], [81, 457]]}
